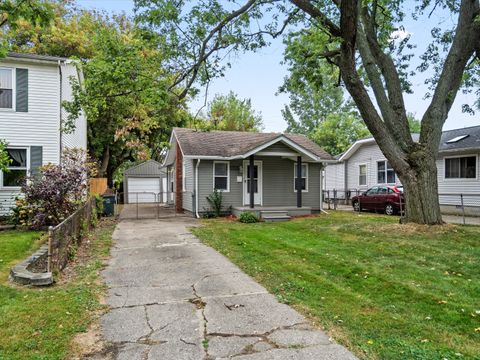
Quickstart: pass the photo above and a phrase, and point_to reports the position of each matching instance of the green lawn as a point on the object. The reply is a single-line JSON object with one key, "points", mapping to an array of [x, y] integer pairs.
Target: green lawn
{"points": [[39, 323], [385, 290]]}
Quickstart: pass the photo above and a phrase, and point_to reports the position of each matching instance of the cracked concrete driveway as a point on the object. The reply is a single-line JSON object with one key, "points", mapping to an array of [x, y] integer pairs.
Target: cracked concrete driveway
{"points": [[172, 297]]}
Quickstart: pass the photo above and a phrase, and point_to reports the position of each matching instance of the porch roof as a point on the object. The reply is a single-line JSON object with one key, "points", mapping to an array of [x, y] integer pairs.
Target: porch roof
{"points": [[238, 144]]}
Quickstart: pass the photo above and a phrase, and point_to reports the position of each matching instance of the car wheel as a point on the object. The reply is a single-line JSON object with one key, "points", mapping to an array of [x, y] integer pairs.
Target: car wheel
{"points": [[389, 209], [356, 206]]}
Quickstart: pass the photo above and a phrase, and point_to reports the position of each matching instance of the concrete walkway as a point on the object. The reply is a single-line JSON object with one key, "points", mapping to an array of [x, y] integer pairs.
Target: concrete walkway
{"points": [[173, 298]]}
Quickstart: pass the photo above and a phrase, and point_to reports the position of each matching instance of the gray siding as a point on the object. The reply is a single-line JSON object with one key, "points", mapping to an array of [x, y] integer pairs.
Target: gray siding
{"points": [[278, 187], [278, 147], [189, 184], [150, 167]]}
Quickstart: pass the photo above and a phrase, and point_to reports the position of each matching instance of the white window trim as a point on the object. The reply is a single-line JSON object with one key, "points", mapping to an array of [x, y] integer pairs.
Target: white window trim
{"points": [[295, 176], [14, 92], [27, 148], [366, 174], [459, 178], [184, 178], [228, 175], [386, 173]]}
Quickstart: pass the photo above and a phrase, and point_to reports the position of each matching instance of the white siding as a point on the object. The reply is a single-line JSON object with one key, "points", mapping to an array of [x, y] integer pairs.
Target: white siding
{"points": [[457, 186], [40, 126], [370, 154], [366, 155], [78, 138], [334, 177]]}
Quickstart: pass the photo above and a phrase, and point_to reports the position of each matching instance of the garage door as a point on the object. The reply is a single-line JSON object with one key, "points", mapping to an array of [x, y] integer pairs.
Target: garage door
{"points": [[146, 189]]}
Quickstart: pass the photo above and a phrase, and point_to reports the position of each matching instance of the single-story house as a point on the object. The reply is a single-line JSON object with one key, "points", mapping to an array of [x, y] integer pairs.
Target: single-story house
{"points": [[363, 165], [271, 174], [142, 183]]}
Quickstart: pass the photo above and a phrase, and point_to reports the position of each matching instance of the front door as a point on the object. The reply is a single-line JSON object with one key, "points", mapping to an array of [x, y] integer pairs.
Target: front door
{"points": [[257, 179]]}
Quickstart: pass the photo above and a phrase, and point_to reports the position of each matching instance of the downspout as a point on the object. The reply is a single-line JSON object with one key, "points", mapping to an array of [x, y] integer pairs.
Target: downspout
{"points": [[196, 189], [322, 168], [60, 117]]}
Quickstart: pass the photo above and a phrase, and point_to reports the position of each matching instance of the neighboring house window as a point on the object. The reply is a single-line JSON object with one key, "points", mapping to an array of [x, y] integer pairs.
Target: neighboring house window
{"points": [[18, 168], [6, 88], [184, 178], [303, 177], [461, 167], [221, 175], [362, 175], [386, 174]]}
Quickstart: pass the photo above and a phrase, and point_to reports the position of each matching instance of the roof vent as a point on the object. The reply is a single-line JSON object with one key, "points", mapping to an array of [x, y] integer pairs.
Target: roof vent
{"points": [[457, 139]]}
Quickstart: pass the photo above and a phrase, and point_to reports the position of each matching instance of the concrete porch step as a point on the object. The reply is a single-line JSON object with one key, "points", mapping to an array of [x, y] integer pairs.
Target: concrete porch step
{"points": [[274, 215], [276, 218]]}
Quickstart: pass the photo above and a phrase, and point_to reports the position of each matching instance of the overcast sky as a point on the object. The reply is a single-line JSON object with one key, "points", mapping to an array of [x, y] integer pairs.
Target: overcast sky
{"points": [[259, 75]]}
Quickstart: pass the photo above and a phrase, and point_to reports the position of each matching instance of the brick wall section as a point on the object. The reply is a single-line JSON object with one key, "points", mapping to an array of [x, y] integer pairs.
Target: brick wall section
{"points": [[178, 180]]}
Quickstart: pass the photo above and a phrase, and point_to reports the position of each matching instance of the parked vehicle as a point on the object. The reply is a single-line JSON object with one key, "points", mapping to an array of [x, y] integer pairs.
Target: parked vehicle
{"points": [[388, 199]]}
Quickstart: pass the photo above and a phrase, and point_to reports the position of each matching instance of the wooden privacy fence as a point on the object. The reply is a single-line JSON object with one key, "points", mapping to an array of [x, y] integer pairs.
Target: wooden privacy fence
{"points": [[98, 186], [66, 236]]}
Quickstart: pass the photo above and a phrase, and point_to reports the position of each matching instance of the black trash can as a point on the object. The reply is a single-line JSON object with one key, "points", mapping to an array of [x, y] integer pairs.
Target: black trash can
{"points": [[108, 205]]}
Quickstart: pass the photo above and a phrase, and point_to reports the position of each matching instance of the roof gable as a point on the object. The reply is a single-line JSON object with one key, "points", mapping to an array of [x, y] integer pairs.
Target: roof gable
{"points": [[149, 167]]}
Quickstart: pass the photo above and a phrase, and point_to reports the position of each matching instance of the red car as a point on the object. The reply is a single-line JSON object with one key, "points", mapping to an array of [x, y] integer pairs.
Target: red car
{"points": [[385, 198]]}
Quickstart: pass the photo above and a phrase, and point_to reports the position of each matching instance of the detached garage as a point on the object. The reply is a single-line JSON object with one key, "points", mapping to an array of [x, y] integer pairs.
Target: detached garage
{"points": [[143, 182]]}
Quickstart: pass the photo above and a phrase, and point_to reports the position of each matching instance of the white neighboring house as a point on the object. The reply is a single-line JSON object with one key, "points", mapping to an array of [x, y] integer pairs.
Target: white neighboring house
{"points": [[32, 88], [363, 165]]}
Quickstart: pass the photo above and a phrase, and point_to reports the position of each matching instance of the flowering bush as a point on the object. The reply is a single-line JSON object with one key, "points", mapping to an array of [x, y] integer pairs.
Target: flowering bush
{"points": [[56, 192]]}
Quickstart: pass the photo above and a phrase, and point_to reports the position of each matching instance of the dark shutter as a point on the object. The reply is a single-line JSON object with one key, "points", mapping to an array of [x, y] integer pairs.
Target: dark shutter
{"points": [[22, 90], [36, 155]]}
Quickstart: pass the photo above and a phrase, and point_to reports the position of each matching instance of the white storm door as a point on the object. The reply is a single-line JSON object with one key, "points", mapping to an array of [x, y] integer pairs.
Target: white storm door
{"points": [[258, 183]]}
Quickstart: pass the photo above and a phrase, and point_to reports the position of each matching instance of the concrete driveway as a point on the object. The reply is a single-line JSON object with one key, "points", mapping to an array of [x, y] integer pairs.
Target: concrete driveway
{"points": [[173, 298]]}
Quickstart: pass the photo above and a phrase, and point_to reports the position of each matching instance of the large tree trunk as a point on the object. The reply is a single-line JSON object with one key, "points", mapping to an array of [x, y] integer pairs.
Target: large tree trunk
{"points": [[421, 191]]}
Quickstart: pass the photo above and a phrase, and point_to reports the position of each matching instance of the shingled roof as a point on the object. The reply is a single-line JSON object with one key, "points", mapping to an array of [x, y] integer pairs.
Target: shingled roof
{"points": [[237, 143], [468, 138]]}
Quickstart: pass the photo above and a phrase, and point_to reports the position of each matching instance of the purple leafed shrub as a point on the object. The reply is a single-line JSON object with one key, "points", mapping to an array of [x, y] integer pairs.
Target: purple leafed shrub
{"points": [[55, 193]]}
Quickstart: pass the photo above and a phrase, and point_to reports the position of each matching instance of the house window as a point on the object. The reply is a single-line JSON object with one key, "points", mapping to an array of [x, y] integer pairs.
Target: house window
{"points": [[385, 173], [461, 167], [362, 175], [17, 171], [6, 88], [303, 178], [221, 176]]}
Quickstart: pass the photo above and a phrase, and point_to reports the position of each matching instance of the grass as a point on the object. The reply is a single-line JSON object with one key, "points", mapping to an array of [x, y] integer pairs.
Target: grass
{"points": [[40, 323], [385, 290]]}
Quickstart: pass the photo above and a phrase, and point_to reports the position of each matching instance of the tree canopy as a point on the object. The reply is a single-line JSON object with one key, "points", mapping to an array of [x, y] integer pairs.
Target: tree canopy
{"points": [[15, 13], [230, 112]]}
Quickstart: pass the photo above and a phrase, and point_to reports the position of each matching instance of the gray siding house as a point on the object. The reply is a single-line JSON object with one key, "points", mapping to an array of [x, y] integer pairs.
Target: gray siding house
{"points": [[198, 162], [363, 165]]}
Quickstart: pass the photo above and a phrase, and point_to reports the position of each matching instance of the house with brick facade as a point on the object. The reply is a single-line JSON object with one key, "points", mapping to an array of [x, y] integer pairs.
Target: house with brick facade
{"points": [[274, 175]]}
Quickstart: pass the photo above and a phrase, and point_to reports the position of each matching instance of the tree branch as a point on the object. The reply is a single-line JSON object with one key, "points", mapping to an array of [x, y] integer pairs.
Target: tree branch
{"points": [[203, 53], [467, 36], [392, 80], [385, 140], [311, 10]]}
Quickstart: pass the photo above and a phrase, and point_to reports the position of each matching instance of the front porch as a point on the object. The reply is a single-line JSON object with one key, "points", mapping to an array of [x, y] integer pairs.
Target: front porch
{"points": [[273, 212]]}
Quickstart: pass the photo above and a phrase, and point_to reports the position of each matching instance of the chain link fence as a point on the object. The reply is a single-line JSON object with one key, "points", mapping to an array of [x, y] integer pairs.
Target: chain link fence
{"points": [[456, 204], [151, 205]]}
